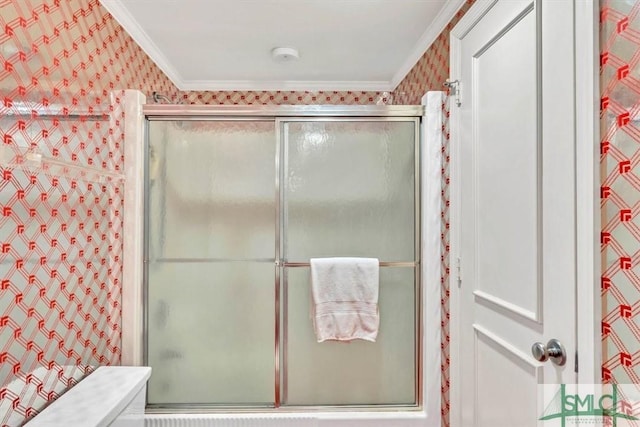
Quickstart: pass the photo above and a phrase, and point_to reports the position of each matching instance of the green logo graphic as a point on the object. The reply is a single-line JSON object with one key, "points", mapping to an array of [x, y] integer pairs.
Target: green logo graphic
{"points": [[567, 405]]}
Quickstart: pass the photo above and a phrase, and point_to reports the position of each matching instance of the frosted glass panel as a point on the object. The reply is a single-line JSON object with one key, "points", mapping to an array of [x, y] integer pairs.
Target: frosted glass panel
{"points": [[359, 372], [211, 333], [349, 190], [212, 189]]}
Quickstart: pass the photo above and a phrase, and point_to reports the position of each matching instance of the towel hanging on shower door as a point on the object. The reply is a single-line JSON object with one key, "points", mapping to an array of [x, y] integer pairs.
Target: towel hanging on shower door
{"points": [[345, 298]]}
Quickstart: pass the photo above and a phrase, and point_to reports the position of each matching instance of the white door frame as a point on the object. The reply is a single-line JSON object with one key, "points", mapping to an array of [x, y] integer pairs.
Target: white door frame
{"points": [[587, 184]]}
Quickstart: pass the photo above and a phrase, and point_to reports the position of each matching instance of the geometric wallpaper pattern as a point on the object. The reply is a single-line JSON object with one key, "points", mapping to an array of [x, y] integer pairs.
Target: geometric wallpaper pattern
{"points": [[620, 189], [61, 213], [60, 217], [432, 70], [445, 358], [63, 66], [286, 97]]}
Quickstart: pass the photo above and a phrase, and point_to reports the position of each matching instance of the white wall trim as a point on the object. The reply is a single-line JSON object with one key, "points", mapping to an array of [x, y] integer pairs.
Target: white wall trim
{"points": [[130, 25], [587, 185], [432, 138], [132, 268], [430, 35], [454, 241], [295, 419]]}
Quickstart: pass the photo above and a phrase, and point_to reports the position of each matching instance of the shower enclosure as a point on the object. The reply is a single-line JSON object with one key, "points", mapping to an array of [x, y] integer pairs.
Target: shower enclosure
{"points": [[237, 202]]}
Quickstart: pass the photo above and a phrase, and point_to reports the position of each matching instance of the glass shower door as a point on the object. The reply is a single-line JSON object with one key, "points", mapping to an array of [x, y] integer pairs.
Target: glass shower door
{"points": [[234, 211], [350, 189], [211, 228]]}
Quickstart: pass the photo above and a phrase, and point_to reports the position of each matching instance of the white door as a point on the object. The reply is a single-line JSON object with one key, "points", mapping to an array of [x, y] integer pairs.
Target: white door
{"points": [[513, 230]]}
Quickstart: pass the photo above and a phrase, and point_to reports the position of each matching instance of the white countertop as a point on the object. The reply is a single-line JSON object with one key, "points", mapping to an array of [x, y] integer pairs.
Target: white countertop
{"points": [[96, 400]]}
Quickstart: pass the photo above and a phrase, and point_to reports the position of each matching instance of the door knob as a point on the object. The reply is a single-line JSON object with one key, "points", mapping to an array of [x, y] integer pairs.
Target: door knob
{"points": [[554, 350]]}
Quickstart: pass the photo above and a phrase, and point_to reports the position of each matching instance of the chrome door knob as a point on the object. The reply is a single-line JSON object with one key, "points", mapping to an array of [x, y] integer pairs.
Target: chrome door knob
{"points": [[554, 350]]}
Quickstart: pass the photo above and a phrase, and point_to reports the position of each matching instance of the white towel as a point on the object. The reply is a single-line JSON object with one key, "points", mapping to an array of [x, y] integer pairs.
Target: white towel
{"points": [[345, 298]]}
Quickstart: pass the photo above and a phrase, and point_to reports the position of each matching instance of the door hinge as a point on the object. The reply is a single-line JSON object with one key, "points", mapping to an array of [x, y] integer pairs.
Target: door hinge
{"points": [[454, 90], [576, 362], [459, 270]]}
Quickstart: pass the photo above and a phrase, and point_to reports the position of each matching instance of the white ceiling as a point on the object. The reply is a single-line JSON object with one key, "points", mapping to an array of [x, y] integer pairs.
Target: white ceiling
{"points": [[226, 44]]}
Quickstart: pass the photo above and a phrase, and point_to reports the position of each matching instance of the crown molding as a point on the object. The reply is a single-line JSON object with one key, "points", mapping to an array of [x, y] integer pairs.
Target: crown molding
{"points": [[440, 22], [131, 26], [121, 14]]}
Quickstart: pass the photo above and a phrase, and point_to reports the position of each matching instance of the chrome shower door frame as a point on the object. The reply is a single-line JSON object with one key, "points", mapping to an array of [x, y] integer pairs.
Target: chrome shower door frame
{"points": [[280, 115]]}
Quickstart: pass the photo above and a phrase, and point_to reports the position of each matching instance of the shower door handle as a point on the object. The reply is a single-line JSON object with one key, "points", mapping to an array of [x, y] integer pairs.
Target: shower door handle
{"points": [[554, 350]]}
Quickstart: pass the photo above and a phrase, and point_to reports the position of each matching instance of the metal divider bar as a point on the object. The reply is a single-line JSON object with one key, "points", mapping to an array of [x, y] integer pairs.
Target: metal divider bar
{"points": [[278, 231], [417, 200], [382, 264], [284, 278]]}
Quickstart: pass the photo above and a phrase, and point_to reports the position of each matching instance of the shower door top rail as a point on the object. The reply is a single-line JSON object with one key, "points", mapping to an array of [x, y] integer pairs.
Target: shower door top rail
{"points": [[178, 110]]}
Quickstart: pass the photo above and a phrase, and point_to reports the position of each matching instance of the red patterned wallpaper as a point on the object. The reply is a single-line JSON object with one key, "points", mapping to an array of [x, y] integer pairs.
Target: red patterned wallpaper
{"points": [[432, 70], [70, 56], [445, 239], [286, 97], [619, 162], [63, 65]]}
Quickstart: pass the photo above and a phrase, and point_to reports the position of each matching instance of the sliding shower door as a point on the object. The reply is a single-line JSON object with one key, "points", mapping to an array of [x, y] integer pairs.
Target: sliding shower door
{"points": [[211, 262], [235, 210], [349, 189]]}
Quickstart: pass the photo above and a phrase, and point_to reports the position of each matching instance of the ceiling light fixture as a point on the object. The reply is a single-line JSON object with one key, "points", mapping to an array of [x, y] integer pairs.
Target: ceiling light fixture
{"points": [[284, 54]]}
